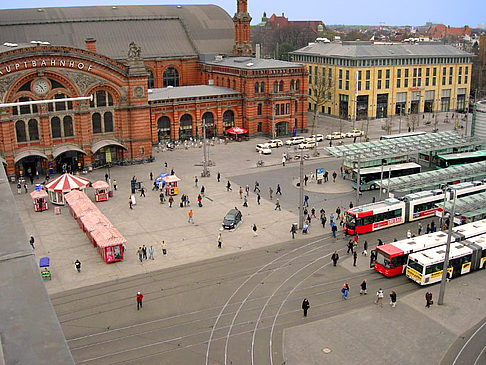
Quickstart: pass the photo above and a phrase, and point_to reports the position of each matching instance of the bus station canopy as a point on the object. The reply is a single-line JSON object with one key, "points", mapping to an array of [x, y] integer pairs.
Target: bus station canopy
{"points": [[469, 206], [434, 179], [402, 146]]}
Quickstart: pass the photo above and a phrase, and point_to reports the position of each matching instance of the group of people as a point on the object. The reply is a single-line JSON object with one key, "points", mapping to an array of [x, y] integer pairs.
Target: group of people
{"points": [[142, 253]]}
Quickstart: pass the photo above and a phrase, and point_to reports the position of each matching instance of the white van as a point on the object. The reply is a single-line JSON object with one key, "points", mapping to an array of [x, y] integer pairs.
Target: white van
{"points": [[294, 140]]}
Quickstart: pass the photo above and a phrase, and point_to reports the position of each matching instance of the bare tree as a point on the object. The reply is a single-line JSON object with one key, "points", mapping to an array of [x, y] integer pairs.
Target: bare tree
{"points": [[322, 90]]}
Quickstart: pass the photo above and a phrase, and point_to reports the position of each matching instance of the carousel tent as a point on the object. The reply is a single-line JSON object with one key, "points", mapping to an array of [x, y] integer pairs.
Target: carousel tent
{"points": [[65, 183]]}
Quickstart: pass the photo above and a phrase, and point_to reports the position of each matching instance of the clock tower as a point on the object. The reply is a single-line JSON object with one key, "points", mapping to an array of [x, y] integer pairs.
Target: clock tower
{"points": [[242, 29]]}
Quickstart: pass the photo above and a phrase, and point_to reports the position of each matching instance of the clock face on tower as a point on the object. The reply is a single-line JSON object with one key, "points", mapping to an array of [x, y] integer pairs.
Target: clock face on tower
{"points": [[40, 87]]}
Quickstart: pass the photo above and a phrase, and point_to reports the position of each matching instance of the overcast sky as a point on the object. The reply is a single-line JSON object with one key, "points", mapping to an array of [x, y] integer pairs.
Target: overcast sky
{"points": [[372, 12]]}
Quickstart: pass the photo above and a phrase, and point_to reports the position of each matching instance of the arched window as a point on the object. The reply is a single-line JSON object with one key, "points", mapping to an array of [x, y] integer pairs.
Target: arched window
{"points": [[186, 126], [101, 99], [291, 85], [257, 87], [170, 77], [208, 118], [108, 122], [67, 122], [33, 130], [20, 131], [56, 127], [151, 81], [275, 87], [262, 87], [281, 86], [228, 118], [297, 85], [163, 126], [259, 109], [96, 121]]}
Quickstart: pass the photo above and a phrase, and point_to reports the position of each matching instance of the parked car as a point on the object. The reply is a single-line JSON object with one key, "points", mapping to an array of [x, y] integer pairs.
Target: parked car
{"points": [[308, 145], [355, 133], [315, 138], [275, 143], [264, 148], [232, 219], [294, 141], [335, 135]]}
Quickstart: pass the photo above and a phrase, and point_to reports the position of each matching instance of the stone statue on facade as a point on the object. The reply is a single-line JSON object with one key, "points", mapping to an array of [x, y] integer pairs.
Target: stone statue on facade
{"points": [[133, 52]]}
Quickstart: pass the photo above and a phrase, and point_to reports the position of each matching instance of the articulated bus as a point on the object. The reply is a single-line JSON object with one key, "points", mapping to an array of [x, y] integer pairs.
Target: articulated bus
{"points": [[411, 207], [369, 177], [391, 259], [451, 159], [426, 267]]}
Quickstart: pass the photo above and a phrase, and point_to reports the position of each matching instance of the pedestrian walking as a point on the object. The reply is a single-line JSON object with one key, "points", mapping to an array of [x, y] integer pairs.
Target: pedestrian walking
{"points": [[334, 229], [428, 299], [409, 234], [270, 192], [365, 248], [140, 254], [203, 190], [245, 201], [379, 297], [77, 265], [323, 220], [427, 229], [306, 178], [351, 205], [345, 291], [220, 240], [254, 228], [139, 300], [144, 252], [164, 247], [142, 192], [162, 197], [305, 306], [257, 187], [228, 186], [279, 191], [199, 201], [277, 205], [355, 257], [25, 188], [190, 215], [350, 247], [363, 289], [219, 176], [106, 177], [393, 298], [313, 212], [195, 181], [241, 192], [372, 258], [258, 198], [151, 176], [305, 227], [306, 201], [31, 241], [293, 229], [130, 203], [283, 161], [419, 230], [151, 253], [334, 258], [19, 188], [171, 201], [334, 175], [115, 185], [433, 227], [326, 176]]}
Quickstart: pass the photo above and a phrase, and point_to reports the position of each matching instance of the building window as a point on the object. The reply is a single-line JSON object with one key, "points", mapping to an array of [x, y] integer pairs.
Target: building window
{"points": [[20, 131], [281, 86], [379, 84], [406, 72], [150, 81], [24, 109], [282, 109], [379, 74], [259, 109], [434, 82], [275, 87], [297, 85], [443, 80], [277, 110], [228, 118], [56, 127], [257, 87], [101, 99], [399, 72], [262, 87], [96, 122], [310, 79], [340, 83], [387, 84], [108, 122], [398, 83], [67, 122], [367, 84], [170, 77], [347, 84], [405, 83], [387, 73], [426, 81], [287, 108], [33, 130], [292, 83]]}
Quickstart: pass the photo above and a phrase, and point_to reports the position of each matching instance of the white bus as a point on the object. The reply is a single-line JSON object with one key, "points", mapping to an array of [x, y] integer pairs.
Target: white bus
{"points": [[370, 176]]}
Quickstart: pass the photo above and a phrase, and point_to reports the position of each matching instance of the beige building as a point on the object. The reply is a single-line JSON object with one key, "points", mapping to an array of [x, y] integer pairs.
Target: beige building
{"points": [[366, 80]]}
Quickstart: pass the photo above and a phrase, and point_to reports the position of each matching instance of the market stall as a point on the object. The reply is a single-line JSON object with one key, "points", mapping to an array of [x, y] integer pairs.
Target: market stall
{"points": [[39, 197], [101, 190], [109, 243], [238, 134], [64, 184], [159, 180], [171, 182]]}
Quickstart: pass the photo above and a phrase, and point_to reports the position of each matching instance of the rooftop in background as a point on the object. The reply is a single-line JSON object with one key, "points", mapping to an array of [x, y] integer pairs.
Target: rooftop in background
{"points": [[197, 91], [160, 30], [400, 146], [368, 50], [434, 179], [31, 333], [250, 63]]}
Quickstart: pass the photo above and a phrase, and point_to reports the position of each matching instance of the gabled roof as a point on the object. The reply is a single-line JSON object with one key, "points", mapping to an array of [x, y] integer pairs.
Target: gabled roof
{"points": [[365, 50], [162, 31]]}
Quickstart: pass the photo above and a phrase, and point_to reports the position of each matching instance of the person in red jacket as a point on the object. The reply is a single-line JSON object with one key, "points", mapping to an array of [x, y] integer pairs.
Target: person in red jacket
{"points": [[139, 300]]}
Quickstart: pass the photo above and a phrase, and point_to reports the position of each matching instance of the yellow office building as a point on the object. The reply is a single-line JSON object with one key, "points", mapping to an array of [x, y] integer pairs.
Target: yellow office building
{"points": [[366, 80]]}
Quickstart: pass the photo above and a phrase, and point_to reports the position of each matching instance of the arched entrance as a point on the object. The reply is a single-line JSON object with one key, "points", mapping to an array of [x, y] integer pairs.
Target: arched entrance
{"points": [[163, 128], [281, 129], [228, 119], [185, 129], [30, 163], [106, 151], [208, 119], [68, 158]]}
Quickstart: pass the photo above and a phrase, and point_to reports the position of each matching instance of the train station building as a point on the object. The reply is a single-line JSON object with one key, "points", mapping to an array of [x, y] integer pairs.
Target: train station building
{"points": [[153, 73]]}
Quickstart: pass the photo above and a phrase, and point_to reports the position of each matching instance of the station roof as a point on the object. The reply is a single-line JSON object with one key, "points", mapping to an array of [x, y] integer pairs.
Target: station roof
{"points": [[401, 146], [182, 92], [434, 179], [471, 204]]}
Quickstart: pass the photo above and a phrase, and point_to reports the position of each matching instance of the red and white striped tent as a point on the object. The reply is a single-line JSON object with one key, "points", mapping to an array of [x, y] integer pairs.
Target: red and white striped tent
{"points": [[57, 188]]}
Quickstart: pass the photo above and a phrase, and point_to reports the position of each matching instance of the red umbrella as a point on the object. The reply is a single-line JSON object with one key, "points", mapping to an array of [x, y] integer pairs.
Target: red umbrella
{"points": [[236, 130]]}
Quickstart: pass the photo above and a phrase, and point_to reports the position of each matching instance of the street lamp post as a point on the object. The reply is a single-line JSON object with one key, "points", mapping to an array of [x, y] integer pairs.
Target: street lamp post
{"points": [[205, 172], [301, 191]]}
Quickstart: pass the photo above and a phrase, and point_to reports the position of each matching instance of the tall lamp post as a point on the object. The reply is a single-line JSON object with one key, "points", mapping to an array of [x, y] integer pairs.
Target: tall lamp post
{"points": [[205, 172], [301, 191]]}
